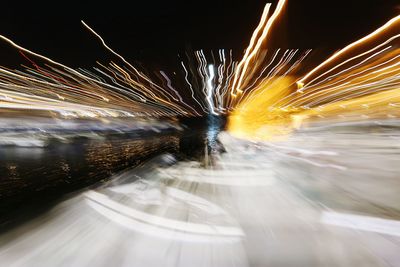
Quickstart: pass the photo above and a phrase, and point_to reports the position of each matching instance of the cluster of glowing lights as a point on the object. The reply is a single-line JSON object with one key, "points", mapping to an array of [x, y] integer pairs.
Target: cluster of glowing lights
{"points": [[361, 81], [262, 92]]}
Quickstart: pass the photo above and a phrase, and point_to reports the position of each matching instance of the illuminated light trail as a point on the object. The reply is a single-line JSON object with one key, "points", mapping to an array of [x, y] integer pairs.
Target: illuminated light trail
{"points": [[210, 88], [252, 41], [351, 82], [191, 88], [210, 81], [252, 119], [239, 76], [74, 84], [125, 92], [272, 75], [122, 58], [217, 84], [169, 85], [195, 206], [349, 47], [360, 82]]}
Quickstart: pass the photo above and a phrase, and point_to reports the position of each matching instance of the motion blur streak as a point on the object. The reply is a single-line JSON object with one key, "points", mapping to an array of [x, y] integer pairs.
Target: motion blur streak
{"points": [[261, 161], [252, 118], [360, 82], [238, 79], [289, 205], [389, 24]]}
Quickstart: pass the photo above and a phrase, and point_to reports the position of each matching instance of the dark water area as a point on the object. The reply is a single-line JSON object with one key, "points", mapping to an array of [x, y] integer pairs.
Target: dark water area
{"points": [[200, 137], [33, 179]]}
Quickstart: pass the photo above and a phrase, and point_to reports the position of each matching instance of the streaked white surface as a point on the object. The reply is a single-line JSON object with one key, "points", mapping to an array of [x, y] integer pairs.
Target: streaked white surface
{"points": [[364, 223], [298, 211]]}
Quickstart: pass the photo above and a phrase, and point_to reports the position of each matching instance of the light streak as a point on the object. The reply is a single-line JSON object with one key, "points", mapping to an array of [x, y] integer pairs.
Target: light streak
{"points": [[263, 86], [247, 58], [362, 84], [350, 46], [210, 88]]}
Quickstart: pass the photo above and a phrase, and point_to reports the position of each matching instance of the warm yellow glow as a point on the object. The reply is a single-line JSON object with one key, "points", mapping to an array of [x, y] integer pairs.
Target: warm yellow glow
{"points": [[252, 119], [361, 81]]}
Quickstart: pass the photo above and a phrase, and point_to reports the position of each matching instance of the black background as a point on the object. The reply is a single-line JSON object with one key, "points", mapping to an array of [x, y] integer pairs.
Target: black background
{"points": [[155, 32]]}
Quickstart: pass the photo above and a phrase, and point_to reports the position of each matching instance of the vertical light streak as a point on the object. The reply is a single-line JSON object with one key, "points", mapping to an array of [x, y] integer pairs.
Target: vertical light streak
{"points": [[237, 83], [191, 88], [210, 88]]}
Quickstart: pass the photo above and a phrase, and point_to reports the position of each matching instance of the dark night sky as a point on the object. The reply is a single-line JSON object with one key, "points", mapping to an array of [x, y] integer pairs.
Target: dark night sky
{"points": [[154, 32]]}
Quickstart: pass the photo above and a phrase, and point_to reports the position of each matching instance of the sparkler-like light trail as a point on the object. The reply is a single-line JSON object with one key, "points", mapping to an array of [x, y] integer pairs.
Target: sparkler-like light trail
{"points": [[238, 80], [359, 80], [114, 90], [259, 203]]}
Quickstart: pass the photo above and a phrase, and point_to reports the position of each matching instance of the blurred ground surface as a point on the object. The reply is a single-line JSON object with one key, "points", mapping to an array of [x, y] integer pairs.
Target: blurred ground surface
{"points": [[326, 196]]}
